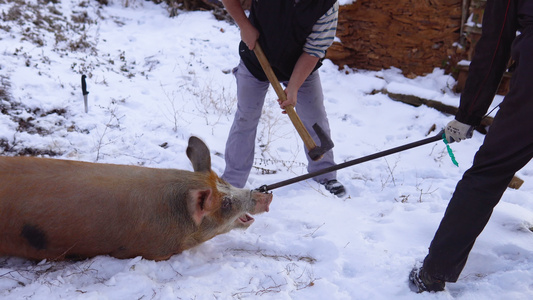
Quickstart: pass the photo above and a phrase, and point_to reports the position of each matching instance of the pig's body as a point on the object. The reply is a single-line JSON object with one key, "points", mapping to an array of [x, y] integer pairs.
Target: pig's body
{"points": [[57, 209]]}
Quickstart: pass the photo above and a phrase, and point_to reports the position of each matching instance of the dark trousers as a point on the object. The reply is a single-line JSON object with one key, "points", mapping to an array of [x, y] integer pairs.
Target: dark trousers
{"points": [[507, 148]]}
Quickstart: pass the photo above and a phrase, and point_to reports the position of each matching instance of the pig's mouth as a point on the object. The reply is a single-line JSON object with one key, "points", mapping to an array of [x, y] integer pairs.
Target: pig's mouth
{"points": [[246, 219]]}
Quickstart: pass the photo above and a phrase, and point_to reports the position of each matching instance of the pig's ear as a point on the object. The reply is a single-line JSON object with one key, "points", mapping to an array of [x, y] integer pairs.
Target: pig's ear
{"points": [[199, 155], [200, 203]]}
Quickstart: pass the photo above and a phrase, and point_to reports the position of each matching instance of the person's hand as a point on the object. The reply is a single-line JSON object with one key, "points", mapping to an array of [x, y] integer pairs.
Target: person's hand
{"points": [[249, 35], [456, 131], [292, 97]]}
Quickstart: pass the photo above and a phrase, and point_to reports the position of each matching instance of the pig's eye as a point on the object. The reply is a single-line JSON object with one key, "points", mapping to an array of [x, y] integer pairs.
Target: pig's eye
{"points": [[226, 205]]}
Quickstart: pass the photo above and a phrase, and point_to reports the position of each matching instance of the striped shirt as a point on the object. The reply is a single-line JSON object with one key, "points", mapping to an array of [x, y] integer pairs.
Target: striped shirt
{"points": [[323, 33]]}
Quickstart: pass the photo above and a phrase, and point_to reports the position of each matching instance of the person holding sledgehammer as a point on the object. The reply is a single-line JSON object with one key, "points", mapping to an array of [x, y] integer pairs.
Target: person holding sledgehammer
{"points": [[507, 147], [294, 35]]}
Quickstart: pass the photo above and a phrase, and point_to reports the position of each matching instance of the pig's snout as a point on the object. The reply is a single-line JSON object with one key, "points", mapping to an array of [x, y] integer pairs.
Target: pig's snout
{"points": [[262, 202]]}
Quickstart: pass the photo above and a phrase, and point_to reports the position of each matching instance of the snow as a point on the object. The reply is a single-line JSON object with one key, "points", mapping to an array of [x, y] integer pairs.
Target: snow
{"points": [[470, 22], [154, 81]]}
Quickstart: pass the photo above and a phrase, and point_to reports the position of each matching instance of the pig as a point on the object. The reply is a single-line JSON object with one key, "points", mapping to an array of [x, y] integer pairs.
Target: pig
{"points": [[59, 209]]}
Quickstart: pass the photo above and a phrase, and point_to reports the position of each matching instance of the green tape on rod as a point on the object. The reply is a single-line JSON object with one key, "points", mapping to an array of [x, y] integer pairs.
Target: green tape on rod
{"points": [[450, 152]]}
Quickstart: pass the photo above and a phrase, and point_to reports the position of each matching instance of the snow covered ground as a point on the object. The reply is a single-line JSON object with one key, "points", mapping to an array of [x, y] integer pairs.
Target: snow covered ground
{"points": [[154, 81]]}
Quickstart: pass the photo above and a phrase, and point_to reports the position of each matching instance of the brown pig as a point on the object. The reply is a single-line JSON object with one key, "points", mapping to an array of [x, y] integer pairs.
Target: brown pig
{"points": [[59, 209]]}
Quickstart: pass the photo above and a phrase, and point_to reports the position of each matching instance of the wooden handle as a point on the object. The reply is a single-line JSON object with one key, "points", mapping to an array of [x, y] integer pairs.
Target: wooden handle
{"points": [[295, 119]]}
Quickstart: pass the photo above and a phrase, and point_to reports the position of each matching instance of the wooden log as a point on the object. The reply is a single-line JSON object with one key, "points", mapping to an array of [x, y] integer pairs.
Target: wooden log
{"points": [[444, 108], [516, 183], [414, 36]]}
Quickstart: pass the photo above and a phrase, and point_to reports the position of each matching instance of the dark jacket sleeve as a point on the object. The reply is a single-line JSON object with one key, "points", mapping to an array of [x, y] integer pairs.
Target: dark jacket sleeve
{"points": [[489, 62]]}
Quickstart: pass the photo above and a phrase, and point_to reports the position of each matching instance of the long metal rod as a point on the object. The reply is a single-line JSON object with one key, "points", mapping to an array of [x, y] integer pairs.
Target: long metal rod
{"points": [[437, 137]]}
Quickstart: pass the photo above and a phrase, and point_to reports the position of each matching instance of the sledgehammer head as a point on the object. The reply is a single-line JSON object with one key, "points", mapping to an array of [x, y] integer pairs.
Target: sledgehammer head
{"points": [[326, 144]]}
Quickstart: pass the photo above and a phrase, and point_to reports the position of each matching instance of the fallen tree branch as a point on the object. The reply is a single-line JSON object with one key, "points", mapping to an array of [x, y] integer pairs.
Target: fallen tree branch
{"points": [[444, 108], [515, 183]]}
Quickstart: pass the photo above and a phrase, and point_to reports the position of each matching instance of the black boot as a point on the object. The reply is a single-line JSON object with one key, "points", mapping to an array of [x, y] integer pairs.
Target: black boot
{"points": [[335, 187], [424, 282]]}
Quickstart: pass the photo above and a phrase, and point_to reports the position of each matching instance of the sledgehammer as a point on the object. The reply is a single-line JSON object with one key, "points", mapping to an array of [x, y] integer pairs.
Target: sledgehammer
{"points": [[326, 144]]}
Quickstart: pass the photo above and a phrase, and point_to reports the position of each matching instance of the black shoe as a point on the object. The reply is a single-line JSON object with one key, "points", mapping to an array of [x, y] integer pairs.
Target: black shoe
{"points": [[424, 282], [335, 187]]}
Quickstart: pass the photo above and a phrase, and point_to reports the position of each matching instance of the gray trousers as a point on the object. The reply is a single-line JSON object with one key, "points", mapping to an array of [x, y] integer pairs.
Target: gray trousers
{"points": [[251, 94]]}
